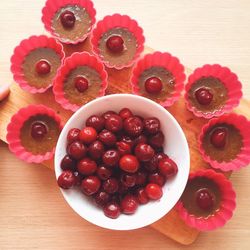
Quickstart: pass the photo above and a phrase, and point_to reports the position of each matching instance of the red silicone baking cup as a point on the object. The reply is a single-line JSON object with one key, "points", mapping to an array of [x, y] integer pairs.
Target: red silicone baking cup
{"points": [[119, 21], [70, 63], [22, 50], [243, 158], [227, 77], [167, 61], [52, 6], [225, 211], [14, 129]]}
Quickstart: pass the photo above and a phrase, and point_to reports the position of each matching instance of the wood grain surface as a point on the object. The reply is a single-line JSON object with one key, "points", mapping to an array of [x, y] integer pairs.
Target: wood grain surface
{"points": [[33, 213]]}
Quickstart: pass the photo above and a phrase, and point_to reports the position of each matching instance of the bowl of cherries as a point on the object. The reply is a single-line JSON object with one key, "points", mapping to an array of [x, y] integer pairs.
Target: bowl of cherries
{"points": [[122, 161]]}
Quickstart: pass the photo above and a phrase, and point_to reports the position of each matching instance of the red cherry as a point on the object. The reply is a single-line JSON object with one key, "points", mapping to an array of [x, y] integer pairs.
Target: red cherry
{"points": [[219, 137], [112, 210], [152, 125], [156, 140], [103, 172], [66, 180], [68, 19], [123, 148], [114, 123], [107, 138], [142, 196], [111, 158], [38, 130], [127, 139], [125, 113], [96, 122], [81, 83], [67, 163], [78, 177], [204, 199], [157, 179], [73, 135], [110, 185], [115, 44], [129, 204], [203, 96], [107, 114], [96, 150], [153, 191], [133, 126], [144, 152], [140, 139], [88, 135], [90, 185], [102, 198], [43, 67], [141, 178], [129, 163], [152, 165], [86, 166], [168, 167], [76, 150], [153, 85], [128, 180]]}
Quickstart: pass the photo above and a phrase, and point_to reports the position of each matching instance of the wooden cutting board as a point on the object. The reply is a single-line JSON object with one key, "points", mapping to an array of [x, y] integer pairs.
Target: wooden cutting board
{"points": [[170, 225]]}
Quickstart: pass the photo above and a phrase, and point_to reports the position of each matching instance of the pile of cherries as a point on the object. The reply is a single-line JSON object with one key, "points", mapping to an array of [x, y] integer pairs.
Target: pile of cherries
{"points": [[117, 159]]}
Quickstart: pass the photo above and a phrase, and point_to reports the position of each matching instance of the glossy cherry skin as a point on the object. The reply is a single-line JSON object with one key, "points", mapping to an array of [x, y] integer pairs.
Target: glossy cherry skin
{"points": [[111, 157], [142, 196], [153, 85], [153, 191], [129, 204], [76, 150], [67, 163], [219, 137], [107, 114], [141, 178], [38, 130], [115, 44], [107, 138], [129, 163], [88, 135], [112, 210], [96, 122], [128, 180], [144, 152], [67, 19], [103, 172], [140, 139], [73, 135], [79, 178], [204, 199], [102, 198], [152, 125], [203, 96], [133, 126], [66, 180], [114, 123], [128, 140], [86, 166], [111, 185], [125, 113], [123, 148], [43, 67], [81, 83], [157, 179], [168, 167], [153, 164], [90, 185], [156, 140], [96, 150]]}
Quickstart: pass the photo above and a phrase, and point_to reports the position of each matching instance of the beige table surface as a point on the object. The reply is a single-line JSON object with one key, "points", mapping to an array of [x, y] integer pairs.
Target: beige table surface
{"points": [[33, 214]]}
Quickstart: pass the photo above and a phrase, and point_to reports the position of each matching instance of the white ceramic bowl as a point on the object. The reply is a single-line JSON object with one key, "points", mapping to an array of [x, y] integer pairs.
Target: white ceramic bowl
{"points": [[175, 146]]}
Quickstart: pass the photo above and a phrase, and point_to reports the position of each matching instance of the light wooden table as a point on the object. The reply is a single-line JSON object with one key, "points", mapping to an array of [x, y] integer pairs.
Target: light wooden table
{"points": [[33, 214]]}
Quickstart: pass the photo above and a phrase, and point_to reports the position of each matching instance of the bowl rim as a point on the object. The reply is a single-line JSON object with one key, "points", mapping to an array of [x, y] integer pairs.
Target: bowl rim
{"points": [[86, 106]]}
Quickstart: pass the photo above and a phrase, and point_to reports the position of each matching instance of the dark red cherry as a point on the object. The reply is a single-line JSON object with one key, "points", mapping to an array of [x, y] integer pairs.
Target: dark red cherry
{"points": [[115, 44], [112, 210], [152, 125], [67, 163], [156, 141], [140, 139], [88, 135], [153, 85], [144, 152], [141, 177], [157, 179], [107, 114], [38, 130], [153, 191], [111, 157], [219, 137], [204, 199], [203, 96], [86, 166], [102, 198], [142, 196], [96, 122], [123, 148], [129, 163], [73, 135], [111, 185], [43, 67], [81, 83], [68, 19], [133, 126], [129, 204], [76, 150], [103, 172], [168, 167], [107, 137], [153, 164], [66, 180], [96, 150], [114, 123], [125, 113], [90, 185], [128, 180]]}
